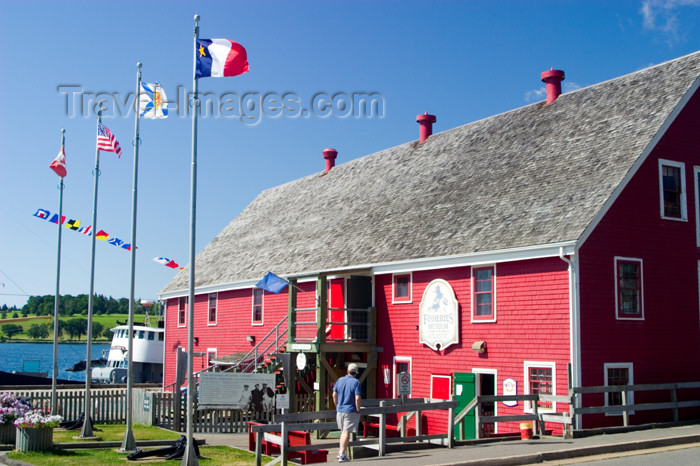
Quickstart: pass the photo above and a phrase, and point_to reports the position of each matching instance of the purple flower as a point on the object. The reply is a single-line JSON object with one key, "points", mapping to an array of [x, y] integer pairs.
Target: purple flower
{"points": [[11, 408]]}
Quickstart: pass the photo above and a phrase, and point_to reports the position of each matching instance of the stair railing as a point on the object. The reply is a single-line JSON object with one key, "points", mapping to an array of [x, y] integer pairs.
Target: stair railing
{"points": [[274, 343]]}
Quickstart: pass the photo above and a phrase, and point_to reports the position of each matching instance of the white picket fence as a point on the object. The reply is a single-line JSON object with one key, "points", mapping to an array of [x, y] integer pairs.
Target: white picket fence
{"points": [[108, 404]]}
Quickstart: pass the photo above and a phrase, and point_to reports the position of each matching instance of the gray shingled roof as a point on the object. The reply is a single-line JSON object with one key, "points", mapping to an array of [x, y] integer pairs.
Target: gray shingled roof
{"points": [[531, 176]]}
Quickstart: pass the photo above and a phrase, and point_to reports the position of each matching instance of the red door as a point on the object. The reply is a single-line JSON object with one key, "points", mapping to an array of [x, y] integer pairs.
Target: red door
{"points": [[337, 301]]}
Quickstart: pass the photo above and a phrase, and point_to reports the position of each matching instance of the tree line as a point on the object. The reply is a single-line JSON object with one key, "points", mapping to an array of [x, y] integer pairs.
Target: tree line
{"points": [[74, 305], [73, 328]]}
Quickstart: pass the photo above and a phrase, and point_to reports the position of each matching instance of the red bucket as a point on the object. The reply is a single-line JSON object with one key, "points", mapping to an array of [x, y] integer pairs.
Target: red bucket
{"points": [[525, 431]]}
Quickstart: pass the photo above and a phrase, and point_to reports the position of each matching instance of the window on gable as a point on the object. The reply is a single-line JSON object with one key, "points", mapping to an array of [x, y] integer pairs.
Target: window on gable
{"points": [[672, 190], [257, 306], [484, 302], [182, 312], [402, 288], [628, 288], [212, 308], [618, 374]]}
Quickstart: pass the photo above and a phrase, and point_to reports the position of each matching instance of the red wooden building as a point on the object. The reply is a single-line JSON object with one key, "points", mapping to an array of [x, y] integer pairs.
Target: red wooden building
{"points": [[560, 241]]}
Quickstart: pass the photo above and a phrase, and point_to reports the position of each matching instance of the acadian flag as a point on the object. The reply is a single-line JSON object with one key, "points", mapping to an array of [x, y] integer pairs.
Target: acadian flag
{"points": [[152, 101], [219, 58], [106, 140], [272, 283], [59, 164]]}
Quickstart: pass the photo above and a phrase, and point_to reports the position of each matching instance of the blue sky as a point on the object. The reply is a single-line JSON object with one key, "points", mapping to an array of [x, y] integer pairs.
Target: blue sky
{"points": [[461, 61]]}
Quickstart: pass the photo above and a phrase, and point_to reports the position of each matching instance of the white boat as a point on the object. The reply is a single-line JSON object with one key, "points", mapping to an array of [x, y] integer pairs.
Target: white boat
{"points": [[147, 358]]}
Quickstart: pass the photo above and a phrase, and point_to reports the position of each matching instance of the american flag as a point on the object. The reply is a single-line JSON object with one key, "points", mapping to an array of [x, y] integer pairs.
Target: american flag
{"points": [[106, 140]]}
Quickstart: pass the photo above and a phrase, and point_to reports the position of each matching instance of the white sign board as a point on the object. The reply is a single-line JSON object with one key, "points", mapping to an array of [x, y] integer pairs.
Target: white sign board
{"points": [[247, 392], [403, 384], [439, 317], [510, 387], [282, 401]]}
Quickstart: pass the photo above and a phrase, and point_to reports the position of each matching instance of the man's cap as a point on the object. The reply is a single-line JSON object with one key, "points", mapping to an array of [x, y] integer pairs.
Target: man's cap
{"points": [[352, 367]]}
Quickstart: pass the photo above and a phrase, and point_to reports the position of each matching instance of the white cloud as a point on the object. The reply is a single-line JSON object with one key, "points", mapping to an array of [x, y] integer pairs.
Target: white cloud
{"points": [[536, 95], [662, 16]]}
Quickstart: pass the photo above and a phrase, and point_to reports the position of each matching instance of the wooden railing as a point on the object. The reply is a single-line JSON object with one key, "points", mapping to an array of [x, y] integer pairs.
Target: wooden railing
{"points": [[538, 418], [171, 414], [574, 400], [307, 422], [356, 328], [628, 407]]}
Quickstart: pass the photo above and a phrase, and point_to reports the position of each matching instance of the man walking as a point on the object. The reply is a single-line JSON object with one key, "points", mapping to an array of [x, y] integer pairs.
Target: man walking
{"points": [[347, 396]]}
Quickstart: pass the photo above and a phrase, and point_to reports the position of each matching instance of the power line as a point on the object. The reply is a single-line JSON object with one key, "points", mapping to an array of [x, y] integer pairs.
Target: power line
{"points": [[15, 283]]}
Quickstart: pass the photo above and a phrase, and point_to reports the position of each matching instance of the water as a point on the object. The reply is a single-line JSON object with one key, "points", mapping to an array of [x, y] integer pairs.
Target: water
{"points": [[13, 356]]}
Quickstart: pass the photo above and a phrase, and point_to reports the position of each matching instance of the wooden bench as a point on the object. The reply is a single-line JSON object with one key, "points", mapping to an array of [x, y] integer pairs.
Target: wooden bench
{"points": [[270, 445], [391, 430]]}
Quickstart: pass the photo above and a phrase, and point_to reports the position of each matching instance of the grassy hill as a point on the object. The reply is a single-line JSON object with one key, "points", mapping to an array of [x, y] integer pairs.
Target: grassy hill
{"points": [[106, 320]]}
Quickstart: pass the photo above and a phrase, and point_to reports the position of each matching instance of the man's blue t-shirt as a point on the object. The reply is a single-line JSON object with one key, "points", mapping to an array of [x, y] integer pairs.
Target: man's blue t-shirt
{"points": [[347, 387]]}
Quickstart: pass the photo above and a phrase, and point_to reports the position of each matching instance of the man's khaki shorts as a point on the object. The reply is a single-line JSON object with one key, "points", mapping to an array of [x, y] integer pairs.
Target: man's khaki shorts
{"points": [[348, 422]]}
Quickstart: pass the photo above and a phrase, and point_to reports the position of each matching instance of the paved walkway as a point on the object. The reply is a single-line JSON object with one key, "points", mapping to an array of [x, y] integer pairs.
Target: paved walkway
{"points": [[494, 453], [508, 452]]}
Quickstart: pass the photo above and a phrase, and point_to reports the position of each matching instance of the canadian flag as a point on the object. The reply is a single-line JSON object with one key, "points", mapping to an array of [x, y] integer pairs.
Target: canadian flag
{"points": [[59, 164]]}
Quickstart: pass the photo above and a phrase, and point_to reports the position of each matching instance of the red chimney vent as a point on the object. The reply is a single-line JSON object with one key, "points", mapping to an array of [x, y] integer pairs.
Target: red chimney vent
{"points": [[330, 155], [553, 79], [426, 126]]}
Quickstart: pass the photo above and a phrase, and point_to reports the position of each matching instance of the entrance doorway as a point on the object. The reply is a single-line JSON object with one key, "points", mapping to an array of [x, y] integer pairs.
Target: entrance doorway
{"points": [[486, 385]]}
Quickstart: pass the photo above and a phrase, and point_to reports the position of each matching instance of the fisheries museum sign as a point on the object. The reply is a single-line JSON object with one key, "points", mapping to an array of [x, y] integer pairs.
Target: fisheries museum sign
{"points": [[439, 318]]}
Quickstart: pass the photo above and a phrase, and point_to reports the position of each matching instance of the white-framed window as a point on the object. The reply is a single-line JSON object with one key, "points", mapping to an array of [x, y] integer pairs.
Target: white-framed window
{"points": [[211, 355], [440, 386], [629, 289], [211, 314], [672, 194], [618, 373], [540, 378], [696, 177], [402, 364], [257, 315], [182, 311], [698, 284], [401, 288], [484, 294]]}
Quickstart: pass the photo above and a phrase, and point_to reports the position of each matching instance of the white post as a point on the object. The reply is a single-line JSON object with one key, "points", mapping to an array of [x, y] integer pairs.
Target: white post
{"points": [[451, 425], [190, 456], [285, 443], [382, 430]]}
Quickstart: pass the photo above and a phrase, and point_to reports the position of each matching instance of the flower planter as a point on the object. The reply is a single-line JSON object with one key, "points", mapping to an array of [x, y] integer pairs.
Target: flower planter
{"points": [[38, 439], [7, 434]]}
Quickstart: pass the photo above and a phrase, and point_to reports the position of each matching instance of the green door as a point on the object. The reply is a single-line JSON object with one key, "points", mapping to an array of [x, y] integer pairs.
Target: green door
{"points": [[465, 393]]}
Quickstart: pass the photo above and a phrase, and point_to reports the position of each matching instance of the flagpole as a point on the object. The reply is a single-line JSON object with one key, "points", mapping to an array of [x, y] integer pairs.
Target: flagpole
{"points": [[128, 443], [86, 431], [54, 398], [190, 456]]}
